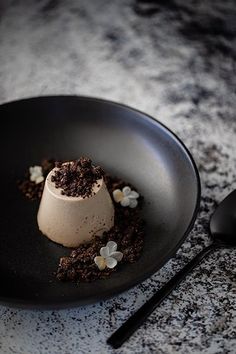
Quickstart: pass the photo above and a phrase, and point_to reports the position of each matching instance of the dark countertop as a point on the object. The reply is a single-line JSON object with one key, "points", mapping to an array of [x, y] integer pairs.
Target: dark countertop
{"points": [[176, 61]]}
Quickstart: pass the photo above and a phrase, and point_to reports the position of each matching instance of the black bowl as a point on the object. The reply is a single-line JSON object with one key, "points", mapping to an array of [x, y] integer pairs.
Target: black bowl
{"points": [[129, 144]]}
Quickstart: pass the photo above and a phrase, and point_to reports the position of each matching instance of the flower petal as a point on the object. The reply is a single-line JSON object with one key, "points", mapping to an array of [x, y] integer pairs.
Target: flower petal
{"points": [[117, 195], [112, 246], [117, 255], [125, 202], [39, 179], [126, 190], [104, 252], [100, 262], [133, 203], [111, 262], [133, 195], [36, 174]]}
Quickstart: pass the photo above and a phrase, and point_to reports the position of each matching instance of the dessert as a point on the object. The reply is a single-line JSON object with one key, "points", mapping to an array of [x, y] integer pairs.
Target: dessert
{"points": [[75, 204], [71, 194]]}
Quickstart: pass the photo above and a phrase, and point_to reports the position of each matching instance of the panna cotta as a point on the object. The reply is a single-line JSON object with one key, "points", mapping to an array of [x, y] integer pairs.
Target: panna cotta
{"points": [[69, 215]]}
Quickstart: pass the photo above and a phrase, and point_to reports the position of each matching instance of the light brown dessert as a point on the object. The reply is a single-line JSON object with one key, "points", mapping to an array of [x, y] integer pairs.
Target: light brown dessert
{"points": [[75, 184], [72, 220]]}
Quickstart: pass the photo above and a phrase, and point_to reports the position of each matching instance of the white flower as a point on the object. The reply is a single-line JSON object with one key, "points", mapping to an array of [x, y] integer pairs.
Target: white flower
{"points": [[36, 174], [109, 256], [126, 197]]}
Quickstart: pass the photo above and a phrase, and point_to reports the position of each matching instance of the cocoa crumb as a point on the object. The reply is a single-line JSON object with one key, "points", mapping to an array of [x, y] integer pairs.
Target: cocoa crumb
{"points": [[76, 178], [30, 189]]}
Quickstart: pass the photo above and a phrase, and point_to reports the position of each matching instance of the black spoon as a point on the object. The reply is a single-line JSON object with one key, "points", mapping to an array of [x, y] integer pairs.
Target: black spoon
{"points": [[223, 232]]}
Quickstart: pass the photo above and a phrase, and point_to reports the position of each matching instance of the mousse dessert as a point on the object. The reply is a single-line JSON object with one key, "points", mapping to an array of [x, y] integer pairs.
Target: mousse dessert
{"points": [[97, 214], [75, 204]]}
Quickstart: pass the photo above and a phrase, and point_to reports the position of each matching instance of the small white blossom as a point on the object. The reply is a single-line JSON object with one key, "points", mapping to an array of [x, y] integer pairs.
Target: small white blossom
{"points": [[36, 174], [126, 197], [109, 256]]}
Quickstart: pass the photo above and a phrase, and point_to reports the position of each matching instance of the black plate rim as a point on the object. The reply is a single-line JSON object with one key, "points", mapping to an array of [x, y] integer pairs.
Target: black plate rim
{"points": [[17, 302]]}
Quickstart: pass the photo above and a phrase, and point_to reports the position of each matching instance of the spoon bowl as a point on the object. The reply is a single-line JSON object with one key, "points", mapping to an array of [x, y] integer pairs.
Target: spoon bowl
{"points": [[223, 222]]}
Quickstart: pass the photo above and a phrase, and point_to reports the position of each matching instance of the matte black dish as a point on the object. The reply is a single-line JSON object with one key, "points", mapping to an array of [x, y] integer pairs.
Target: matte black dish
{"points": [[127, 143]]}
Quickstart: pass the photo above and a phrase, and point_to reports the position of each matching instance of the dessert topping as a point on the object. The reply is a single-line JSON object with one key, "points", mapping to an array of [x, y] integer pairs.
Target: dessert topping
{"points": [[109, 256], [126, 197], [36, 174], [76, 178]]}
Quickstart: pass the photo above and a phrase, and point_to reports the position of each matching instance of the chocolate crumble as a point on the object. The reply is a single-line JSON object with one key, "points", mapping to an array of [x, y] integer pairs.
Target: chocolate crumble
{"points": [[76, 178], [30, 189], [127, 232]]}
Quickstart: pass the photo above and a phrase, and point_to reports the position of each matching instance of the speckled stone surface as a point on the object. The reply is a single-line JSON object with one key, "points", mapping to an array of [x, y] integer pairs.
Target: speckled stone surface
{"points": [[176, 61]]}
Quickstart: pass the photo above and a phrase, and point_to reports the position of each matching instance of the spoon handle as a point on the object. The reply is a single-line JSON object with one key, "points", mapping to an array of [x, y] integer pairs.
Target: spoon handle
{"points": [[136, 320]]}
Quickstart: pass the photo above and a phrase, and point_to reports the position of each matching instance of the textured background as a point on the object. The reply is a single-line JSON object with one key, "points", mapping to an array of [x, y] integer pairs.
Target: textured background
{"points": [[176, 61]]}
